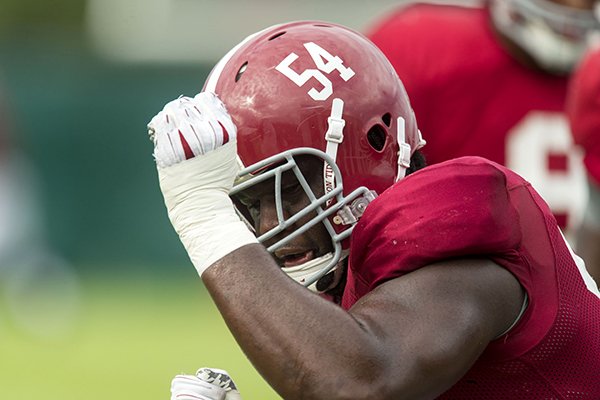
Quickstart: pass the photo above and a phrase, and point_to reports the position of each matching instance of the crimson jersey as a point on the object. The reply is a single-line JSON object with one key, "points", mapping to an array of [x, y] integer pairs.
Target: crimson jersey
{"points": [[471, 97], [474, 207]]}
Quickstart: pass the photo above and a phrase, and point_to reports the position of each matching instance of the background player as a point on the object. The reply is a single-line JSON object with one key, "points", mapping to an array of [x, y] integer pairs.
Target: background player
{"points": [[491, 81], [40, 288], [459, 283], [583, 109]]}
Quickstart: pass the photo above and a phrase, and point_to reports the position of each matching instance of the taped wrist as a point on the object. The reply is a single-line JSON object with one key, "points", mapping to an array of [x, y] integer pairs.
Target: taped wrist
{"points": [[196, 194]]}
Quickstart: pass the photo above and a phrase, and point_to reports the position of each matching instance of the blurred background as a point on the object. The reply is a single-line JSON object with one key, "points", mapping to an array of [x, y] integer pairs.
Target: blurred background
{"points": [[97, 297]]}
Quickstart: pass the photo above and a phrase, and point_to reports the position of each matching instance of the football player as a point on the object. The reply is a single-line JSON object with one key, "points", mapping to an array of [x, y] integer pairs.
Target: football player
{"points": [[583, 109], [449, 281], [491, 81]]}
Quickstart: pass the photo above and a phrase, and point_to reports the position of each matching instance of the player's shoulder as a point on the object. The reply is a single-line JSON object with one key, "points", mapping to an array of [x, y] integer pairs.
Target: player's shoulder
{"points": [[466, 162], [449, 210], [476, 164], [472, 188], [464, 192], [470, 173]]}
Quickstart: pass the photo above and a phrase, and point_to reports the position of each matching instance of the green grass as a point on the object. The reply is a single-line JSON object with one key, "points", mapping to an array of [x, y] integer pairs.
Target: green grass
{"points": [[129, 339]]}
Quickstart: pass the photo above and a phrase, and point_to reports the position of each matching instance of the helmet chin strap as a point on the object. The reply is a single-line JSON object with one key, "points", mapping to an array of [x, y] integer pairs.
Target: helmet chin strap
{"points": [[334, 137], [404, 151], [300, 273]]}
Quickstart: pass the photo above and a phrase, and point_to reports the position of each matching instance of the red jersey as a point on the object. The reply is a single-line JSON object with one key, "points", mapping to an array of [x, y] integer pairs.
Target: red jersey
{"points": [[583, 108], [474, 207], [471, 97]]}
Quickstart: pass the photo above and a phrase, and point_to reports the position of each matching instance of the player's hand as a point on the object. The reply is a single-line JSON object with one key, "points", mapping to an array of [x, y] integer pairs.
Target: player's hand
{"points": [[188, 127], [207, 384], [196, 156]]}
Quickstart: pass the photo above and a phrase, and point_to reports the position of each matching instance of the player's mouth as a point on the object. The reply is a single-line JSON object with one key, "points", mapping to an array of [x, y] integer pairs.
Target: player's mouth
{"points": [[291, 259]]}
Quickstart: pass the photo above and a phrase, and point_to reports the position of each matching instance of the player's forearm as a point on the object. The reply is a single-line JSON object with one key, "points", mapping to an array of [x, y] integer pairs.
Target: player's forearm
{"points": [[300, 354]]}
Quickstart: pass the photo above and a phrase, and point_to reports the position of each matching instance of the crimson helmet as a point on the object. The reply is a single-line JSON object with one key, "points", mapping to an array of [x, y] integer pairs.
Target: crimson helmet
{"points": [[322, 89]]}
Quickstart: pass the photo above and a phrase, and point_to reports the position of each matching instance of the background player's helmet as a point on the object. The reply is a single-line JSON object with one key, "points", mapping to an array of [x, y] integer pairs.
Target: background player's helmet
{"points": [[322, 89], [554, 35]]}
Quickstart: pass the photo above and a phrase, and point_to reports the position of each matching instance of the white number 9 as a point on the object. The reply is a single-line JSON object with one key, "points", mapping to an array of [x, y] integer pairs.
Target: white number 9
{"points": [[529, 145]]}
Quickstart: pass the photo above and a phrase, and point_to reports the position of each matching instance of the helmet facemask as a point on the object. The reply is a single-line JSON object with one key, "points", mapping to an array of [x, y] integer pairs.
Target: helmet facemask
{"points": [[555, 36], [336, 212]]}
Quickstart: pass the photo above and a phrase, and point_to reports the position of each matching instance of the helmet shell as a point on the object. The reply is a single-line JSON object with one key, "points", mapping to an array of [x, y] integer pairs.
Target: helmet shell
{"points": [[276, 111]]}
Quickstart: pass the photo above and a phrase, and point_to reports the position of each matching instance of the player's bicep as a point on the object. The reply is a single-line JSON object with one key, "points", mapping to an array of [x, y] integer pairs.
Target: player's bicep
{"points": [[433, 323]]}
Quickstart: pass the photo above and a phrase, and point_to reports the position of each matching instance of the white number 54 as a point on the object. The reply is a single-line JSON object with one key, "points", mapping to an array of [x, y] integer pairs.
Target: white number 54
{"points": [[325, 63]]}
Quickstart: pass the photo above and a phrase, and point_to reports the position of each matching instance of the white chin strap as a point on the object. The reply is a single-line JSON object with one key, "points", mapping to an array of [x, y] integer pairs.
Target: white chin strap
{"points": [[404, 151], [334, 137], [301, 273]]}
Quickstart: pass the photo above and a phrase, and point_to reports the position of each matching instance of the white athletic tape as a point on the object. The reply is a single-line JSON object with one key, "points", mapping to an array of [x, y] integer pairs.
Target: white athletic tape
{"points": [[199, 207]]}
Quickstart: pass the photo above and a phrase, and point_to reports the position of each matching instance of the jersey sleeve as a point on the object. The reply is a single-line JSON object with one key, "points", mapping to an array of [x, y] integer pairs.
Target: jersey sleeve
{"points": [[464, 208], [454, 209]]}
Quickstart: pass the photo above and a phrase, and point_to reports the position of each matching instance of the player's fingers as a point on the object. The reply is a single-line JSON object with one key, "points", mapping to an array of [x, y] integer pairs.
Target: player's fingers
{"points": [[185, 387], [233, 395]]}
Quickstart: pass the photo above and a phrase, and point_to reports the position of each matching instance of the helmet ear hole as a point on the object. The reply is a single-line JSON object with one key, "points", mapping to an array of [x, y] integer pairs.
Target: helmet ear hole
{"points": [[387, 119], [377, 137]]}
